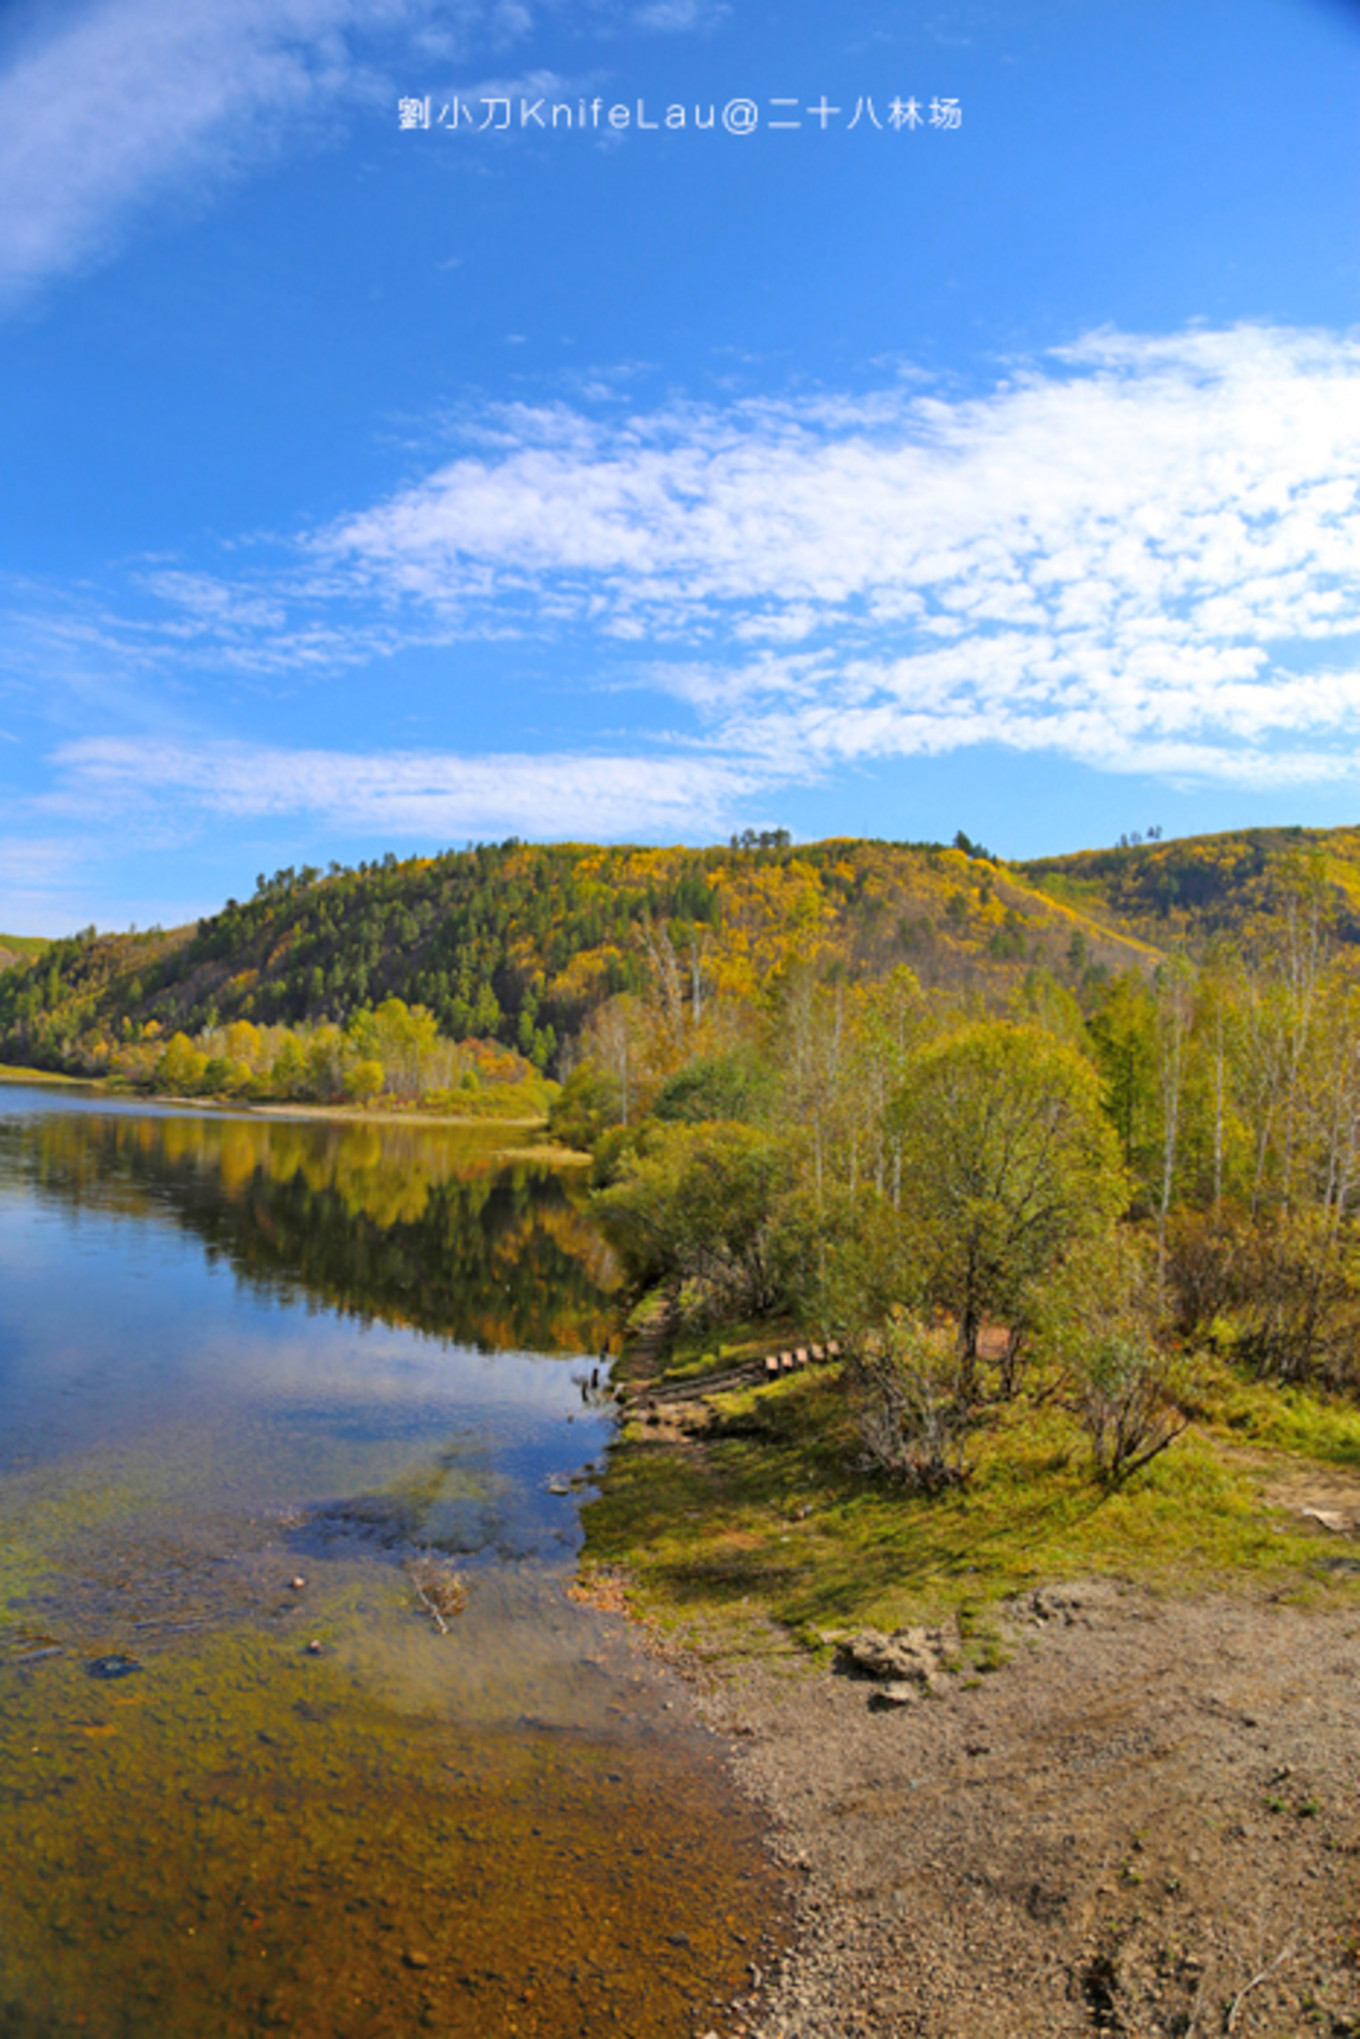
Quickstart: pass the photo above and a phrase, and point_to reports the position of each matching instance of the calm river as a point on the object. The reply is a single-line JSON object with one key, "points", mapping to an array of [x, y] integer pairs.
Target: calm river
{"points": [[263, 1384]]}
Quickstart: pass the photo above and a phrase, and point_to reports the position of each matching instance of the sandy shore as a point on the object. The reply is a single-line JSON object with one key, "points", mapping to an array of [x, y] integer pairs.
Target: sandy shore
{"points": [[1146, 1822]]}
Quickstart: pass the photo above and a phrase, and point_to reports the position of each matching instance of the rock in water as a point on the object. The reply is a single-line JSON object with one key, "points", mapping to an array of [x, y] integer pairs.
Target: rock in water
{"points": [[112, 1667]]}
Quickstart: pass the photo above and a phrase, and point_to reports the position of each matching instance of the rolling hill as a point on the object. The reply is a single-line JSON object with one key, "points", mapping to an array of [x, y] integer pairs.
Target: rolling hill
{"points": [[520, 943]]}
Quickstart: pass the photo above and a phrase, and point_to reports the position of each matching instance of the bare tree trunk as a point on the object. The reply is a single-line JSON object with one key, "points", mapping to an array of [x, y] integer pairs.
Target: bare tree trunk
{"points": [[1174, 1011], [1218, 1113], [666, 982]]}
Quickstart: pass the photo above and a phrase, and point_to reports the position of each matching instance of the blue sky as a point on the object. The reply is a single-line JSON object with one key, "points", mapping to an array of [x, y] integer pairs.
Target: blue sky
{"points": [[987, 460]]}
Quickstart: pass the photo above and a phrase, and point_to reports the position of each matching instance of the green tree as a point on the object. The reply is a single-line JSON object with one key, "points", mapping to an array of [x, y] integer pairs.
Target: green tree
{"points": [[732, 1086], [288, 1071], [701, 1204], [326, 1063], [180, 1067], [1009, 1161], [587, 1103], [1124, 1032]]}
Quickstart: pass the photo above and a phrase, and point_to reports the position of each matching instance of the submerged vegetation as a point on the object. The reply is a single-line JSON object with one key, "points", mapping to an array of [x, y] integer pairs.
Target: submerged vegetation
{"points": [[298, 1730]]}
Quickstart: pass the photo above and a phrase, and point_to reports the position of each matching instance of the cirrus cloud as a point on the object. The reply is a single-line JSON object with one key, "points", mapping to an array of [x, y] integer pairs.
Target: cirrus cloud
{"points": [[109, 105], [405, 794]]}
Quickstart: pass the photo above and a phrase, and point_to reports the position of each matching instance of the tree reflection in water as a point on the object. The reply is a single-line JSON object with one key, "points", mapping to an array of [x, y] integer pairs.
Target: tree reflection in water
{"points": [[428, 1227]]}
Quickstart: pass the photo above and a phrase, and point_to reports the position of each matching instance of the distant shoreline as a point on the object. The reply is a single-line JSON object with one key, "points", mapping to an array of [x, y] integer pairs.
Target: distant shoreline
{"points": [[9, 1073], [348, 1115]]}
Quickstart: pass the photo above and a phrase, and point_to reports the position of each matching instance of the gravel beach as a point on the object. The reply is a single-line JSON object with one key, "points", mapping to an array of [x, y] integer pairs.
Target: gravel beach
{"points": [[1145, 1822]]}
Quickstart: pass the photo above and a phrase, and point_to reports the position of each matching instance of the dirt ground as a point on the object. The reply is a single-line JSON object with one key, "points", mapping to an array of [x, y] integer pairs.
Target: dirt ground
{"points": [[1146, 1822]]}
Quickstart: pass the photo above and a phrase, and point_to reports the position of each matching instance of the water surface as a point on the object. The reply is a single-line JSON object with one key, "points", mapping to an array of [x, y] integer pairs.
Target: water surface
{"points": [[237, 1353]]}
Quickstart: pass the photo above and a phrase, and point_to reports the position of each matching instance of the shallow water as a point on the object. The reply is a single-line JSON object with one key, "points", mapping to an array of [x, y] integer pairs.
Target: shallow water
{"points": [[236, 1353]]}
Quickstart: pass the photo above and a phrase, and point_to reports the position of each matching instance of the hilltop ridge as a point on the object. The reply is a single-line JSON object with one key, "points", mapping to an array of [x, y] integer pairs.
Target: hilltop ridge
{"points": [[519, 943]]}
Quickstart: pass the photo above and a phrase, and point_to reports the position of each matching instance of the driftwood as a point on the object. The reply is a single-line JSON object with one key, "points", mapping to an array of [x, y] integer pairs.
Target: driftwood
{"points": [[1231, 2023], [441, 1591]]}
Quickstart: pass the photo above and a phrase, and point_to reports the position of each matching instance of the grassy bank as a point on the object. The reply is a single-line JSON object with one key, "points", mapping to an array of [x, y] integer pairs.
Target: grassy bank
{"points": [[342, 1114], [10, 1074], [744, 1507]]}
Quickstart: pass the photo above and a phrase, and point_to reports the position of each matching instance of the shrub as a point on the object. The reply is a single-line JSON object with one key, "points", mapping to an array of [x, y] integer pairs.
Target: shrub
{"points": [[701, 1204], [586, 1107], [1126, 1404], [914, 1407], [1287, 1286], [1297, 1300], [1102, 1320], [733, 1086]]}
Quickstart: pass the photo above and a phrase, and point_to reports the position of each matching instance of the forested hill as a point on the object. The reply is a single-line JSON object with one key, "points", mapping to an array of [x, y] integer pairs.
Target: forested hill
{"points": [[19, 949], [1183, 893], [520, 943]]}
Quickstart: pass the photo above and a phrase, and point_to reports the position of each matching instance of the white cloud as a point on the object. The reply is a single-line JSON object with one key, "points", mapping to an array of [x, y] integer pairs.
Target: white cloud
{"points": [[1139, 551], [675, 17], [1142, 554], [130, 98], [108, 104], [36, 860], [437, 797], [42, 880]]}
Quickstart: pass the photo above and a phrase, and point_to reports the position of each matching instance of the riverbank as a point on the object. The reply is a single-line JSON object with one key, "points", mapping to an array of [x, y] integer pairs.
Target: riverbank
{"points": [[1125, 1804], [10, 1074], [349, 1115], [1145, 1822]]}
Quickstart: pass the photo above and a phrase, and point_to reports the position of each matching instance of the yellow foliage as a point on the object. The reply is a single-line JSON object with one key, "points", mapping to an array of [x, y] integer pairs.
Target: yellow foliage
{"points": [[244, 1042]]}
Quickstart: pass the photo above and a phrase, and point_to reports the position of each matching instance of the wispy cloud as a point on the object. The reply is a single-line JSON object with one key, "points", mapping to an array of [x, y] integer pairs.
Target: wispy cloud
{"points": [[39, 861], [675, 17], [402, 794], [129, 95], [1144, 552], [125, 100], [43, 882], [110, 104], [1140, 553]]}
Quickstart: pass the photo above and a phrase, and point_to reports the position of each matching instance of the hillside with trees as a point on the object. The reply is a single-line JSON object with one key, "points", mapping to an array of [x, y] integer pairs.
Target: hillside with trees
{"points": [[1087, 1252], [1004, 1132], [520, 945], [19, 949], [1187, 893]]}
